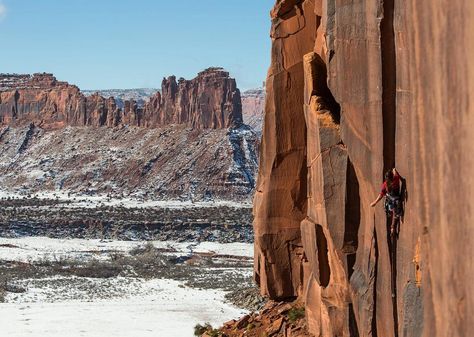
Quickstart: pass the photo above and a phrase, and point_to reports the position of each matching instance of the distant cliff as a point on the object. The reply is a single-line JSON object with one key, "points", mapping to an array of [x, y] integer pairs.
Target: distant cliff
{"points": [[211, 100], [253, 105], [187, 142], [355, 88]]}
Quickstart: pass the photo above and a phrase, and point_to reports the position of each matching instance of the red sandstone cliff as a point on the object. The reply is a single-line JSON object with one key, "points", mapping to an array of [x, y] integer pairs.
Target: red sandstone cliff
{"points": [[209, 101], [355, 88]]}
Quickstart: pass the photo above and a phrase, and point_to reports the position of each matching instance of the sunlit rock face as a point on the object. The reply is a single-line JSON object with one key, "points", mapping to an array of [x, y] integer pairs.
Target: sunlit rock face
{"points": [[209, 101], [355, 88]]}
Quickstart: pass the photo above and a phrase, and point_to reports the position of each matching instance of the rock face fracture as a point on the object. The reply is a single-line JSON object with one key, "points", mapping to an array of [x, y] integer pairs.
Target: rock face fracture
{"points": [[349, 94]]}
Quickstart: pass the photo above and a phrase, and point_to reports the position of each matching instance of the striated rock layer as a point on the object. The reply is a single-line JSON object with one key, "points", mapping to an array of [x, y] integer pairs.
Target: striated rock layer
{"points": [[209, 101], [355, 88]]}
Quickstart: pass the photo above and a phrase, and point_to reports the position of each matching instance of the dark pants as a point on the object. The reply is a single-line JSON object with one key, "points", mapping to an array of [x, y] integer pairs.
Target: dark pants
{"points": [[393, 205]]}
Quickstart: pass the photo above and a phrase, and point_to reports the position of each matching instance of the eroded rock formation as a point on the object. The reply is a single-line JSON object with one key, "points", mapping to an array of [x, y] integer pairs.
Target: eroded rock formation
{"points": [[355, 88], [209, 101]]}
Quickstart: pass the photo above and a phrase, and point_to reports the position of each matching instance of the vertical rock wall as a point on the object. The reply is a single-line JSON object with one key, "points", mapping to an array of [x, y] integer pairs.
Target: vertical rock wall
{"points": [[355, 88], [434, 147], [280, 200]]}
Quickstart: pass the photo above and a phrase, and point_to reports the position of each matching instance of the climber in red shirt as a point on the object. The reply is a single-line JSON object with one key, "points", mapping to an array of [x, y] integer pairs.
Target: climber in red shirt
{"points": [[392, 191]]}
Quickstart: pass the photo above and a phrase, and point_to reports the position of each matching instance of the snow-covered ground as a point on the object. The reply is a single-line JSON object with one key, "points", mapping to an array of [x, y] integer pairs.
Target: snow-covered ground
{"points": [[169, 310], [39, 248], [120, 306]]}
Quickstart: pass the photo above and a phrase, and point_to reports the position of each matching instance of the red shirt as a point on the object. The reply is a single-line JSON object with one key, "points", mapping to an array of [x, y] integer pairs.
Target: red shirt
{"points": [[395, 185]]}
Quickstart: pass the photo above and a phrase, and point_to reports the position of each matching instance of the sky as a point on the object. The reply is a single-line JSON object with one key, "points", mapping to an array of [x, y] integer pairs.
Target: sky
{"points": [[113, 44]]}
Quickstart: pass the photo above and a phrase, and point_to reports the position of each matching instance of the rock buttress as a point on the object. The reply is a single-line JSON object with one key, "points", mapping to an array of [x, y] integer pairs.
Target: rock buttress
{"points": [[355, 88], [280, 199]]}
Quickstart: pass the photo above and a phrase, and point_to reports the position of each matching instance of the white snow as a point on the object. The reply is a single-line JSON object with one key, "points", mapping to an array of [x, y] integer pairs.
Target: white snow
{"points": [[40, 248], [137, 307], [36, 173], [170, 310], [235, 248]]}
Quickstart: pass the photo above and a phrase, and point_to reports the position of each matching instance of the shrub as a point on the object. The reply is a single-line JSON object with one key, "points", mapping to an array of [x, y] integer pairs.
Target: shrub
{"points": [[199, 329], [295, 314], [214, 333]]}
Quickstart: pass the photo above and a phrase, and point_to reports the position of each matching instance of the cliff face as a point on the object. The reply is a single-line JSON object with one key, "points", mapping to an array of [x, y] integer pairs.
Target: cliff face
{"points": [[210, 101], [355, 88], [40, 98]]}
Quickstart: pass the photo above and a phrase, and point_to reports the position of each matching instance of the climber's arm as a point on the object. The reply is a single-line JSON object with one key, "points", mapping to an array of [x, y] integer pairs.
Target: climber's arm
{"points": [[377, 200]]}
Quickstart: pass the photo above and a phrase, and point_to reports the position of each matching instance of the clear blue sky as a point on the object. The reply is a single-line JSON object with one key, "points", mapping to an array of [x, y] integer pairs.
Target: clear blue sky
{"points": [[103, 44]]}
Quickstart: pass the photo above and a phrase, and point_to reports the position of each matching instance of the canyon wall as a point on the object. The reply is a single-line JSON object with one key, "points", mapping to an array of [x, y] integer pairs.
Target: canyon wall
{"points": [[355, 88], [187, 142], [209, 101]]}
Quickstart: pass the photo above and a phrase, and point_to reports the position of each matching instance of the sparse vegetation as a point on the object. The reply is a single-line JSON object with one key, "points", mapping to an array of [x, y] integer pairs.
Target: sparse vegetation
{"points": [[295, 314], [215, 333], [147, 262], [250, 326], [56, 218], [207, 328], [199, 329], [3, 284]]}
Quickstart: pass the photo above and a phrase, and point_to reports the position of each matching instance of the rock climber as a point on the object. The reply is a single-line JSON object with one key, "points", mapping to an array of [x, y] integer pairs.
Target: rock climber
{"points": [[392, 191]]}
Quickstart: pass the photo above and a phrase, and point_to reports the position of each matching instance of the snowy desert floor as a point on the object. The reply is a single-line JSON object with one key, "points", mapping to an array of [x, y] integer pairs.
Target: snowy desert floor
{"points": [[80, 287]]}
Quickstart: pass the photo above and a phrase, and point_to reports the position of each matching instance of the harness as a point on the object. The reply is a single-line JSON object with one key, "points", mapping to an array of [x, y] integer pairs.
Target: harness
{"points": [[393, 204]]}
